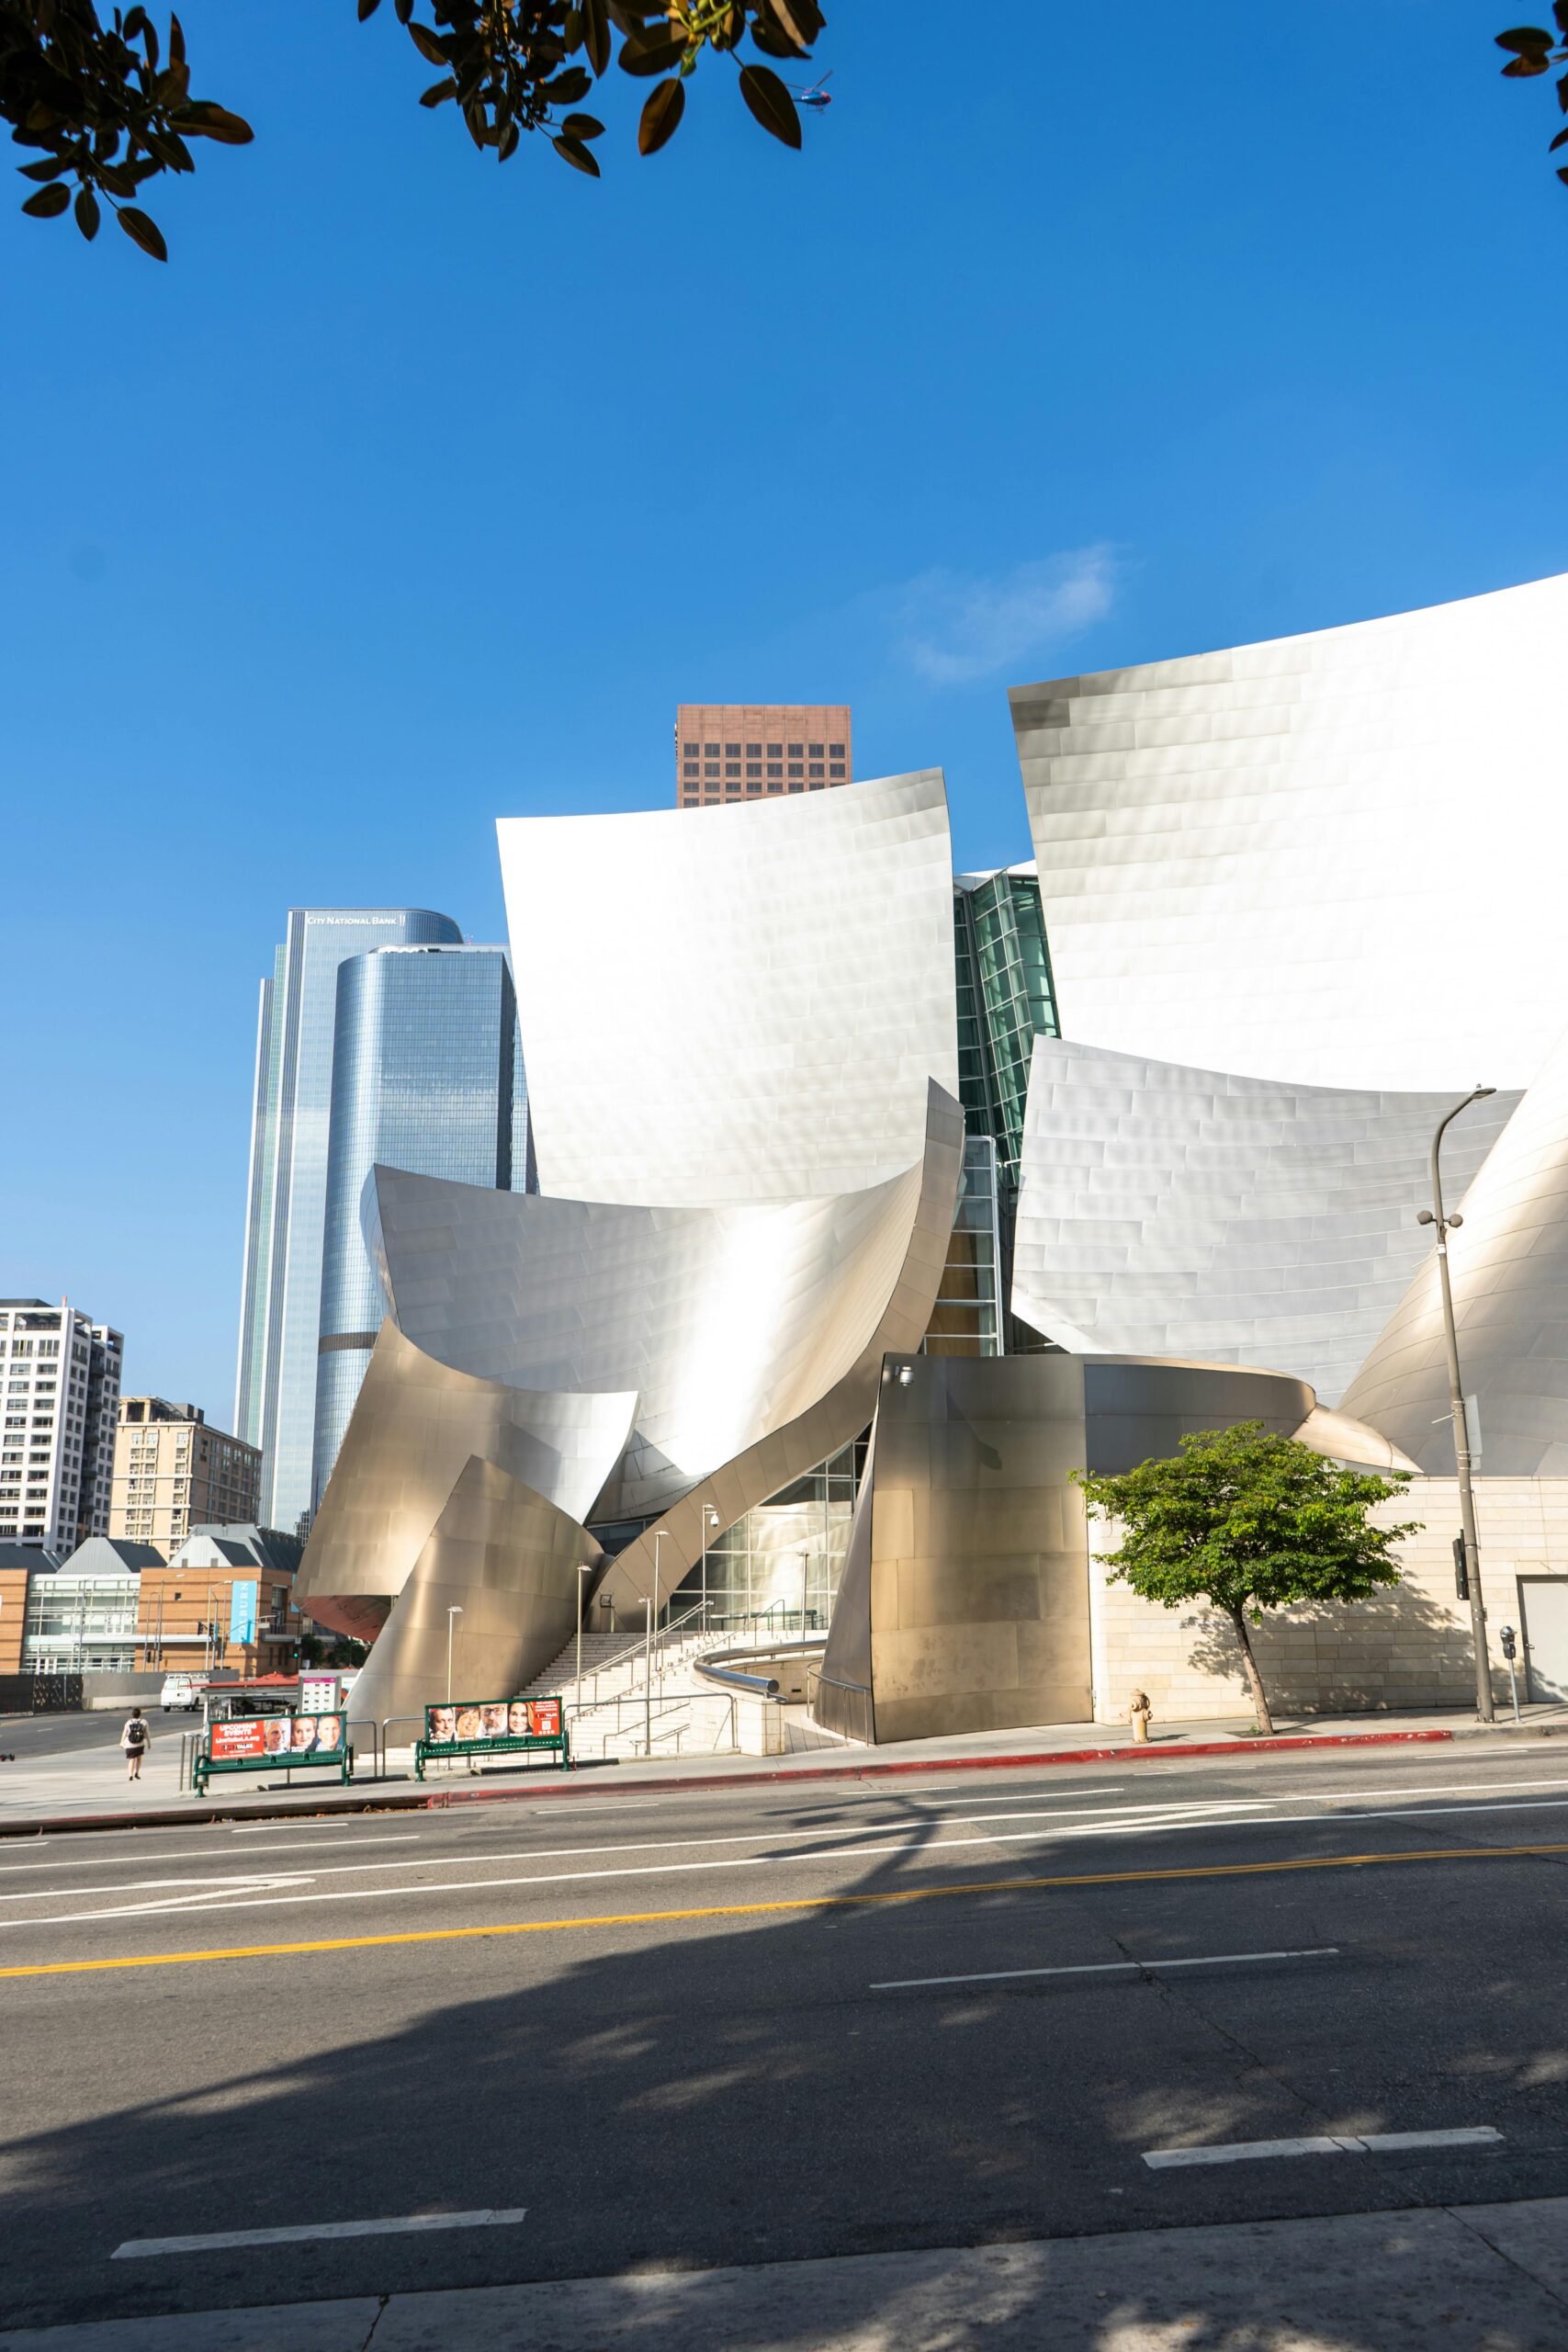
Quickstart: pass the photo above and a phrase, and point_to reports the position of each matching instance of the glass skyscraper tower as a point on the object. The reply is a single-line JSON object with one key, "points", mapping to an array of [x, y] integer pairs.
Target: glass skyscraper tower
{"points": [[286, 1208], [427, 1075]]}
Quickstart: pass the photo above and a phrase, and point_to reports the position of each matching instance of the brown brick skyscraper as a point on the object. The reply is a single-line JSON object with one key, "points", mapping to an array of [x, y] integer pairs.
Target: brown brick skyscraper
{"points": [[733, 750]]}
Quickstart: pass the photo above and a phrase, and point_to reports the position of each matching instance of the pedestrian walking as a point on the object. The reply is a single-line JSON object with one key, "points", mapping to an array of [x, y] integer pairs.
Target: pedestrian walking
{"points": [[136, 1739]]}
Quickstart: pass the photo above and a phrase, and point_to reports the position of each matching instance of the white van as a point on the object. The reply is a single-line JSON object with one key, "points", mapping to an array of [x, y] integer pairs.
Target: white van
{"points": [[185, 1691]]}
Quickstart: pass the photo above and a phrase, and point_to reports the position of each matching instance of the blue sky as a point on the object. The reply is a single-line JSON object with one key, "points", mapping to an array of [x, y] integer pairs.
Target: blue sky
{"points": [[414, 492]]}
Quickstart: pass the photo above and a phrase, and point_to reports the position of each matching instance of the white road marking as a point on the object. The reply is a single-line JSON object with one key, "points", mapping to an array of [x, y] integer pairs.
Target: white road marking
{"points": [[1105, 1968], [193, 1854], [1128, 1826], [1367, 2144], [487, 2217]]}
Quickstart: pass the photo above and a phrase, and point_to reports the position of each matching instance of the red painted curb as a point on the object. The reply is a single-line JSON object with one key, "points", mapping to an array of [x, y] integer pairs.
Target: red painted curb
{"points": [[441, 1800]]}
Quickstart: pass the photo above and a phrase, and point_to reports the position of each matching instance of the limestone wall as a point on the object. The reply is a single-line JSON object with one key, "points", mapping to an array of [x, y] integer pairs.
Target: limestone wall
{"points": [[1408, 1647]]}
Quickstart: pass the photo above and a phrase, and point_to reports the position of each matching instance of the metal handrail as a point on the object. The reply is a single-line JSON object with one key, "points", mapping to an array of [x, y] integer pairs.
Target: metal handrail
{"points": [[821, 1675], [640, 1648], [684, 1701]]}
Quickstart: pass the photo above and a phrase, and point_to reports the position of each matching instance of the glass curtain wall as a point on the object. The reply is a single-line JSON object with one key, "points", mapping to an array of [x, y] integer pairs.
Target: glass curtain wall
{"points": [[80, 1623], [426, 1076], [787, 1553]]}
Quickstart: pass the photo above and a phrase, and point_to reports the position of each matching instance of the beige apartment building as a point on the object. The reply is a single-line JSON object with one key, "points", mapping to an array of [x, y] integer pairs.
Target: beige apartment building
{"points": [[172, 1473], [739, 751]]}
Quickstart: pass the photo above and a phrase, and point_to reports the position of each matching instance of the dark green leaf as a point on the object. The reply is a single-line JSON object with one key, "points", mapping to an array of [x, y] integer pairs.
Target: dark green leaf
{"points": [[177, 41], [367, 9], [1561, 140], [1563, 94], [596, 33], [660, 115], [568, 87], [428, 44], [1522, 67], [1526, 38], [143, 231], [438, 93], [577, 154], [507, 144], [88, 213], [49, 169], [1563, 174], [203, 120], [47, 203], [582, 126], [1560, 10], [798, 20], [771, 102], [652, 50]]}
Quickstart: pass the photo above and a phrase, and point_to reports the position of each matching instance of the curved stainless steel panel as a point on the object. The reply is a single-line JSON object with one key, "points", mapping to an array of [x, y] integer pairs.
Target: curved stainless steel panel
{"points": [[508, 1559], [1508, 1267], [871, 1314], [735, 1006], [1333, 858], [416, 1424], [1178, 1212], [732, 1324]]}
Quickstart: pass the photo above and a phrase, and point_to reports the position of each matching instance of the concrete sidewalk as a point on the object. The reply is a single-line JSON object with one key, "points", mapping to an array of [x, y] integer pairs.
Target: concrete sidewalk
{"points": [[1491, 2276], [42, 1792]]}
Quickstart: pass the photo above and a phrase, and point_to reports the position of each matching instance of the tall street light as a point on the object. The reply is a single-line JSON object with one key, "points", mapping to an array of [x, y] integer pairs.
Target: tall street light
{"points": [[584, 1568], [1435, 1216], [454, 1611], [658, 1535], [710, 1520]]}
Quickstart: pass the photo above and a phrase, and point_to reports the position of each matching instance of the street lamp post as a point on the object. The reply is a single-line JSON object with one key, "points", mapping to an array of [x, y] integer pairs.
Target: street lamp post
{"points": [[658, 1535], [805, 1572], [456, 1611], [1435, 1216], [710, 1518], [584, 1568]]}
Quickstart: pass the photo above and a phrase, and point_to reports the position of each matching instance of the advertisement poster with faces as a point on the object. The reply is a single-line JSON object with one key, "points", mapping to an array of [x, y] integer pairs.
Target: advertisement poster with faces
{"points": [[278, 1739], [491, 1722]]}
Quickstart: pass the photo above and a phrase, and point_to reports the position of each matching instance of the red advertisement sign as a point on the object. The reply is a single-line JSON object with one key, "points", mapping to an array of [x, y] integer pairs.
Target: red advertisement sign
{"points": [[232, 1741], [491, 1722]]}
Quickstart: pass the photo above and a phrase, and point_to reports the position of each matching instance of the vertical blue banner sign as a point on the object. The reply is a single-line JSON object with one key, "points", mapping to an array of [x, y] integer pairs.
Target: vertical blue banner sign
{"points": [[243, 1609]]}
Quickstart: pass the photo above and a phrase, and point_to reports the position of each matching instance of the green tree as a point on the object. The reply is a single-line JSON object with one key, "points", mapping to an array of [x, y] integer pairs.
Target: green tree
{"points": [[1247, 1520], [106, 101]]}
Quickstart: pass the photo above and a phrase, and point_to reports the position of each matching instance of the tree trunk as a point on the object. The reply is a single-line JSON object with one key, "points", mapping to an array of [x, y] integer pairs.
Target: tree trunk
{"points": [[1259, 1697]]}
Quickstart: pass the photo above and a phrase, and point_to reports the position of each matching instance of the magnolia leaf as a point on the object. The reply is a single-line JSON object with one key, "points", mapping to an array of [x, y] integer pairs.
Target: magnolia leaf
{"points": [[203, 121], [88, 213], [596, 33], [438, 92], [143, 231], [47, 203], [660, 115], [771, 102], [367, 9], [427, 43], [1522, 67], [574, 152], [582, 126], [1526, 38], [652, 51]]}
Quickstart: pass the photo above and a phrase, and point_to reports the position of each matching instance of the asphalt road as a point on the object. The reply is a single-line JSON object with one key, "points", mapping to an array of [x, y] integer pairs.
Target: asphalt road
{"points": [[29, 1737], [690, 2029]]}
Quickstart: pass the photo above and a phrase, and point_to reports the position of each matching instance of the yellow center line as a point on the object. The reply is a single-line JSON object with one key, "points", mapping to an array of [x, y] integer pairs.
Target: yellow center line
{"points": [[788, 1902]]}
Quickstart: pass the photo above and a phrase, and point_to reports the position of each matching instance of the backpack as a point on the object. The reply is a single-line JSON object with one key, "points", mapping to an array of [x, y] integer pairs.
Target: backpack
{"points": [[135, 1737]]}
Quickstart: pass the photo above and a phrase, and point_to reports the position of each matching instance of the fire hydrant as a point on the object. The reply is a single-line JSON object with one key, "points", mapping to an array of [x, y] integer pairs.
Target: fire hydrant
{"points": [[1138, 1715]]}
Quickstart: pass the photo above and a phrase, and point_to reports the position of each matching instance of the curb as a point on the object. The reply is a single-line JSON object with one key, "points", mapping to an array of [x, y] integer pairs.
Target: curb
{"points": [[442, 1799]]}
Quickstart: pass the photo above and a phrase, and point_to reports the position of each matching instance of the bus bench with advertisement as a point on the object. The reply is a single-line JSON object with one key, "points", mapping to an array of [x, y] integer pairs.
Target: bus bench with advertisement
{"points": [[526, 1727], [285, 1743]]}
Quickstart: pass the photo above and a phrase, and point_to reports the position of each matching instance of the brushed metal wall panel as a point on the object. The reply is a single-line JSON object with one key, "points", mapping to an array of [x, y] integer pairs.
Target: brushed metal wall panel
{"points": [[509, 1560], [1170, 1211], [1508, 1267], [1333, 858], [416, 1424], [742, 1004], [730, 1323]]}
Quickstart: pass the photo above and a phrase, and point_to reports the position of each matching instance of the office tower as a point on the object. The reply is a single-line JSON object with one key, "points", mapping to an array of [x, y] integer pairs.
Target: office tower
{"points": [[736, 751], [285, 1210], [427, 1076], [172, 1473], [61, 1390]]}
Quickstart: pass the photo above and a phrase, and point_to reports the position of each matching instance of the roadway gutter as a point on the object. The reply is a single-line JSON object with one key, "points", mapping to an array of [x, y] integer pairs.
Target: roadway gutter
{"points": [[427, 1800]]}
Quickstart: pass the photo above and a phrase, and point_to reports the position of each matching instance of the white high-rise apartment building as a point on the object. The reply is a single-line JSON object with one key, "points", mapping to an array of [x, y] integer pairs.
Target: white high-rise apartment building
{"points": [[60, 1375]]}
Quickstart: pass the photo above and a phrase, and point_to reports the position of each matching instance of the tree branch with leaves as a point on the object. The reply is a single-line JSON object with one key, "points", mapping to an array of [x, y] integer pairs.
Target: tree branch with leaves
{"points": [[107, 104], [1247, 1520], [1534, 50]]}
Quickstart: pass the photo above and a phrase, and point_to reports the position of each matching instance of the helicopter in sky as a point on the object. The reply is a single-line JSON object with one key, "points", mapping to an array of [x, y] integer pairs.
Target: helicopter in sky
{"points": [[819, 95]]}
